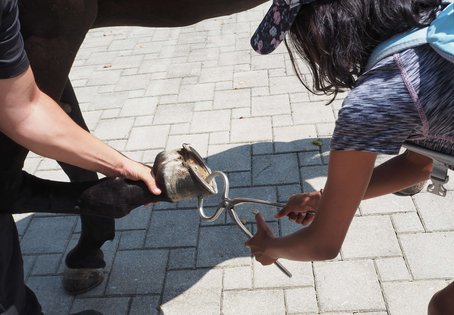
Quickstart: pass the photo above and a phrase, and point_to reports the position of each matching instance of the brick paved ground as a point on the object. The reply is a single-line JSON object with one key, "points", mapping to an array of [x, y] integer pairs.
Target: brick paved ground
{"points": [[147, 90]]}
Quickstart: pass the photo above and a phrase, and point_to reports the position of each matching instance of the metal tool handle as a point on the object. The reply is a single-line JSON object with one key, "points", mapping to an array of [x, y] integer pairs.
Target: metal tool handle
{"points": [[229, 204], [243, 228]]}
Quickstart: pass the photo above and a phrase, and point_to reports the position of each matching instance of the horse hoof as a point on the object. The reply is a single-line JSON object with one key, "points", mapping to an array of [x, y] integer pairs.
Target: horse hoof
{"points": [[80, 280], [182, 174]]}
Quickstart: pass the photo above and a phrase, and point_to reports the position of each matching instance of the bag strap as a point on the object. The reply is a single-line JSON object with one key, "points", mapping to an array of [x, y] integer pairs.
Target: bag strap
{"points": [[439, 35]]}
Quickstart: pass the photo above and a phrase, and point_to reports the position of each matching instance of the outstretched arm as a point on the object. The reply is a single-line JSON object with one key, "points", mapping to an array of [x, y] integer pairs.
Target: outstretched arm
{"points": [[400, 172], [349, 173], [35, 121]]}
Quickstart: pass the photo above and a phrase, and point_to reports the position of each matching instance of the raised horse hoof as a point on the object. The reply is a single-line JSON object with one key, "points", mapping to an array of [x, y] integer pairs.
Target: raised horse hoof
{"points": [[182, 174], [412, 190], [81, 280]]}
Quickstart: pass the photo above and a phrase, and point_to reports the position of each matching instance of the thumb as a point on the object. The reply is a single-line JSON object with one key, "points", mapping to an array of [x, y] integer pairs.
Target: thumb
{"points": [[262, 227]]}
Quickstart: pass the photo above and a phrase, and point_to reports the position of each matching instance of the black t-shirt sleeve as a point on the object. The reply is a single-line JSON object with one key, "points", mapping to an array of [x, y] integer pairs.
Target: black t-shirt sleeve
{"points": [[13, 59]]}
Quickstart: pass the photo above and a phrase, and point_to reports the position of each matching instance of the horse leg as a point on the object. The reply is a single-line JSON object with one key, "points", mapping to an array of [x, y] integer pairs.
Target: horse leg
{"points": [[53, 32], [95, 230]]}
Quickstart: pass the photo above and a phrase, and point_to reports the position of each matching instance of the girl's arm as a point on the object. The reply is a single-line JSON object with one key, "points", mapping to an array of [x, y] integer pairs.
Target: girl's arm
{"points": [[35, 121], [349, 173], [398, 173], [395, 174]]}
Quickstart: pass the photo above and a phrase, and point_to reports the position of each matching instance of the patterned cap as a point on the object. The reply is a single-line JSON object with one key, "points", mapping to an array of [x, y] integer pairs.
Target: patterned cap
{"points": [[276, 23]]}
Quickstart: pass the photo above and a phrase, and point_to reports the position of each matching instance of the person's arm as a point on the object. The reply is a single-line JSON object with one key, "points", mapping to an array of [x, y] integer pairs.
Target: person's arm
{"points": [[349, 173], [400, 172], [35, 121]]}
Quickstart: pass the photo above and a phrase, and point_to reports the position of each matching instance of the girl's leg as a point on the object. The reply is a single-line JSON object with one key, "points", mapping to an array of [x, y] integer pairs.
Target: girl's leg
{"points": [[442, 303]]}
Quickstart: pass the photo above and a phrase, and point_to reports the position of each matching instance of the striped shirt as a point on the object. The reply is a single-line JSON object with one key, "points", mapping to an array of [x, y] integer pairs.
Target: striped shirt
{"points": [[405, 97]]}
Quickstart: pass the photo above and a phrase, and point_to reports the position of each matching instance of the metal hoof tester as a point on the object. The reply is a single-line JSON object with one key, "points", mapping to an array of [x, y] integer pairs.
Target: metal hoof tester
{"points": [[183, 174]]}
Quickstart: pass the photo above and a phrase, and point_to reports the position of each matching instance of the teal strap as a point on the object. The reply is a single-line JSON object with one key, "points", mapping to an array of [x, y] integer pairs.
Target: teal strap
{"points": [[440, 36]]}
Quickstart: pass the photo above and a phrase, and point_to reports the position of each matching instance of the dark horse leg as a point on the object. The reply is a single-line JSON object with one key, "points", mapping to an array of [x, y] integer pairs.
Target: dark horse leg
{"points": [[53, 33]]}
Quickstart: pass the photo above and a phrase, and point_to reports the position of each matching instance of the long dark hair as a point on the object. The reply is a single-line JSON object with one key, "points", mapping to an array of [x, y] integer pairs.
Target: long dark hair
{"points": [[336, 37]]}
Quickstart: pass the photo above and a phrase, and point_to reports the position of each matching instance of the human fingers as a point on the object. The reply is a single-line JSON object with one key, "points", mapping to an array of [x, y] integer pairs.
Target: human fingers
{"points": [[264, 260], [308, 219]]}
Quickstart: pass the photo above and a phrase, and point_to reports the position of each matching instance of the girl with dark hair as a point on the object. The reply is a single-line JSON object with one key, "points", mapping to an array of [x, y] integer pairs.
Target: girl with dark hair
{"points": [[408, 96]]}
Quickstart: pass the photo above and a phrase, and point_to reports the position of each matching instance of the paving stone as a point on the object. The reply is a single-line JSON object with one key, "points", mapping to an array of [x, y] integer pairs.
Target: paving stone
{"points": [[310, 158], [192, 292], [407, 222], [107, 305], [301, 300], [387, 204], [265, 62], [145, 305], [288, 139], [180, 129], [348, 285], [216, 74], [241, 113], [436, 213], [282, 120], [29, 262], [368, 237], [234, 58], [229, 158], [392, 269], [264, 301], [219, 137], [232, 99], [133, 82], [408, 297], [46, 264], [114, 128], [198, 141], [267, 193], [248, 79], [164, 87], [181, 258], [209, 121], [138, 272], [289, 84], [132, 239], [271, 276], [271, 105], [142, 138], [180, 229], [237, 278], [222, 246], [312, 113], [251, 129], [174, 114], [50, 294], [275, 169], [240, 179], [36, 239], [139, 106], [137, 219], [314, 177], [196, 92], [426, 250], [22, 221], [203, 106]]}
